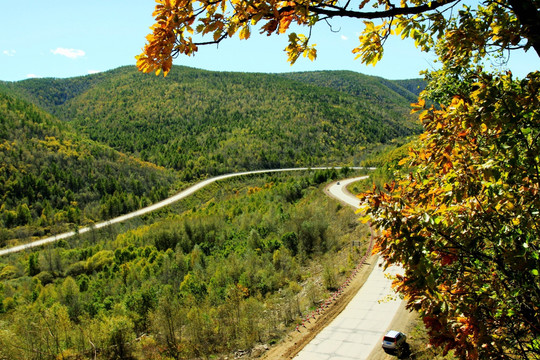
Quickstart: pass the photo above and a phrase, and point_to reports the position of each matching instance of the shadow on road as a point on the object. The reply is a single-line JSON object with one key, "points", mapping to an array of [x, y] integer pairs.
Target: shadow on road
{"points": [[403, 353]]}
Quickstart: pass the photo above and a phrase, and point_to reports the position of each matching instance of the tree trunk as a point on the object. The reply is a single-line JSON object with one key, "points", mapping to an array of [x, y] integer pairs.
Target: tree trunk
{"points": [[528, 14]]}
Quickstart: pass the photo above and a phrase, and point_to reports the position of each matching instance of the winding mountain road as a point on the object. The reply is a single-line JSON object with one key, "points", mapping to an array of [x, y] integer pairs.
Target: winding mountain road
{"points": [[359, 329], [181, 195]]}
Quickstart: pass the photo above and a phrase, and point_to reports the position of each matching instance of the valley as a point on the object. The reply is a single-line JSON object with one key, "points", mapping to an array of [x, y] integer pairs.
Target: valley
{"points": [[241, 259]]}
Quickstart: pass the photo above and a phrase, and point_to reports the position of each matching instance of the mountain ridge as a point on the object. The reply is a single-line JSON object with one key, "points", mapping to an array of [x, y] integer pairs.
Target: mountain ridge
{"points": [[209, 116], [86, 142]]}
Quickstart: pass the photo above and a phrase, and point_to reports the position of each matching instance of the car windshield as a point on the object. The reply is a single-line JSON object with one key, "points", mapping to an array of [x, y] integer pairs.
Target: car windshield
{"points": [[388, 338]]}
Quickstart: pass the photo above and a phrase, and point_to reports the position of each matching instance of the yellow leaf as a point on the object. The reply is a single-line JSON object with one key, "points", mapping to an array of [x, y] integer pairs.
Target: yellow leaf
{"points": [[398, 29], [312, 54], [365, 219], [403, 161], [255, 19], [231, 30], [418, 106], [369, 26], [244, 33]]}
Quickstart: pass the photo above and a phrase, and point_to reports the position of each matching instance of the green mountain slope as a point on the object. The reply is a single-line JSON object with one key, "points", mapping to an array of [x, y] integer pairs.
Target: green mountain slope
{"points": [[375, 90], [51, 178], [203, 122], [415, 86], [50, 93]]}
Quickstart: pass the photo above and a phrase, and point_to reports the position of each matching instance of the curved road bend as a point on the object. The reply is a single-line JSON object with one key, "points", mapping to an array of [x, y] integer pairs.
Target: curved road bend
{"points": [[181, 195], [355, 332]]}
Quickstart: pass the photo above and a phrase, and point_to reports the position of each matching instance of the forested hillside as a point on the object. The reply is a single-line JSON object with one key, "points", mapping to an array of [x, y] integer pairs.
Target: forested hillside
{"points": [[202, 122], [51, 179], [59, 168], [231, 267], [241, 260], [415, 86], [389, 94]]}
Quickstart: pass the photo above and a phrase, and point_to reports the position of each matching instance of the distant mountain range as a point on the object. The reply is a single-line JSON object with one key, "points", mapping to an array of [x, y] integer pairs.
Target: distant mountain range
{"points": [[81, 149]]}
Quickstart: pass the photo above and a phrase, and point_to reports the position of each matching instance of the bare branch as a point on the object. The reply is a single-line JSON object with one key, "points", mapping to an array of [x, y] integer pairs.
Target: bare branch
{"points": [[391, 12]]}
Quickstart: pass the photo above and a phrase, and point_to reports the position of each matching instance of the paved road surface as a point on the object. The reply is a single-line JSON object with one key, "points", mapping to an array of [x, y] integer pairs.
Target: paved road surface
{"points": [[355, 332]]}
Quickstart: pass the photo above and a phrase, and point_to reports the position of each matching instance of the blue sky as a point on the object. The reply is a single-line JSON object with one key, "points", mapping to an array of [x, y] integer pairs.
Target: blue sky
{"points": [[59, 38]]}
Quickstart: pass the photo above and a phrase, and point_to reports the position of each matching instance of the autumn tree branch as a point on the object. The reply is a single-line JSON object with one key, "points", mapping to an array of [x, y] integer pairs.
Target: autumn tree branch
{"points": [[370, 15]]}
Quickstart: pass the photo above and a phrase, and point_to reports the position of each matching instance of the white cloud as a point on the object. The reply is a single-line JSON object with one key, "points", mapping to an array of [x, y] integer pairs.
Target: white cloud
{"points": [[94, 71], [32, 76], [70, 53], [9, 52], [343, 37]]}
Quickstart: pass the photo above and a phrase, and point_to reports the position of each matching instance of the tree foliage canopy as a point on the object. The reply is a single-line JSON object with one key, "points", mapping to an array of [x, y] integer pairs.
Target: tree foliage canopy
{"points": [[184, 25], [464, 221]]}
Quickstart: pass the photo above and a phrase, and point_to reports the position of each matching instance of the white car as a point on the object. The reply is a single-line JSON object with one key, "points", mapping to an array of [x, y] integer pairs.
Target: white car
{"points": [[394, 341]]}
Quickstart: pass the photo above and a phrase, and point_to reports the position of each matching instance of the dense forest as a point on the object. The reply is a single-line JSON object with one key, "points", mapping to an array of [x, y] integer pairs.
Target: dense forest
{"points": [[241, 260], [377, 91], [204, 123], [80, 150], [51, 178], [233, 266]]}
